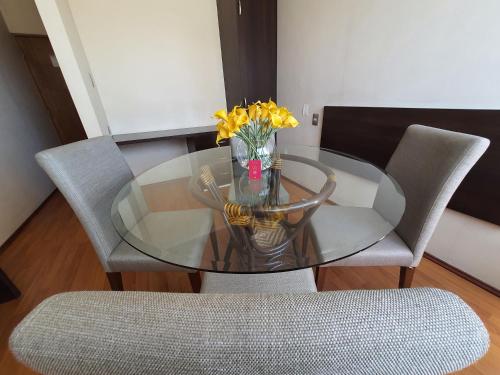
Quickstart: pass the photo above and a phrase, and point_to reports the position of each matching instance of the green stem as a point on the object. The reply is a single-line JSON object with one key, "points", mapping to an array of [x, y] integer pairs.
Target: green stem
{"points": [[255, 135], [247, 141]]}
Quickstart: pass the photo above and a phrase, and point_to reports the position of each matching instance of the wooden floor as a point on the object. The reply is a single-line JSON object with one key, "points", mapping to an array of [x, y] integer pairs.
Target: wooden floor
{"points": [[52, 254]]}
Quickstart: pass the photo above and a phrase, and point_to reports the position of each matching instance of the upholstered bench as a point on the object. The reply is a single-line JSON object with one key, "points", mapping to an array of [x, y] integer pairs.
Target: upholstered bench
{"points": [[402, 331]]}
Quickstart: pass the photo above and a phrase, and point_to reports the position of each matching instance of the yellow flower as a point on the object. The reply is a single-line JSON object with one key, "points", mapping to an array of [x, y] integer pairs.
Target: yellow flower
{"points": [[254, 111], [290, 122], [266, 114], [221, 115], [283, 112], [268, 108], [232, 125], [224, 131], [230, 122], [276, 120], [239, 116]]}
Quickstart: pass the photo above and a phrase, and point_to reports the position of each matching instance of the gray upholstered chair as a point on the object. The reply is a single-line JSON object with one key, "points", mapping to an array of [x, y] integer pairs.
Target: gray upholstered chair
{"points": [[301, 281], [401, 331], [89, 174], [429, 164]]}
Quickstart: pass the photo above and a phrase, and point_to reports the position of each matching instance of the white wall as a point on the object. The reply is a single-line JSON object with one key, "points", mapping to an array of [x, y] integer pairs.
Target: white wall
{"points": [[425, 53], [21, 17], [25, 129], [65, 39], [157, 63]]}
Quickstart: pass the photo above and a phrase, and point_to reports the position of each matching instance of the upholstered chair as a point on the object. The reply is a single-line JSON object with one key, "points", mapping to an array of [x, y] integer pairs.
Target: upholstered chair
{"points": [[89, 174], [299, 281], [429, 164], [398, 331]]}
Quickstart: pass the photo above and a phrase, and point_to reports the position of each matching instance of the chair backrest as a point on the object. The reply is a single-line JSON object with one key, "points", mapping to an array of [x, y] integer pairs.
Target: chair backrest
{"points": [[89, 174], [407, 331], [429, 164]]}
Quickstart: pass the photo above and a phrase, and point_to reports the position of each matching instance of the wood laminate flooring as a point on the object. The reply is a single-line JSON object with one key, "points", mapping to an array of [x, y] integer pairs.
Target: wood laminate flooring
{"points": [[51, 254]]}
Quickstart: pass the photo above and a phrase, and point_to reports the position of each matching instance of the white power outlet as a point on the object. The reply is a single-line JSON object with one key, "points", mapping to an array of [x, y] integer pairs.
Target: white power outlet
{"points": [[305, 110]]}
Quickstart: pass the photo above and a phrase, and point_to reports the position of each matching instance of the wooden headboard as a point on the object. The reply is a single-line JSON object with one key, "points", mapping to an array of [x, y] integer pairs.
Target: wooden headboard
{"points": [[373, 133]]}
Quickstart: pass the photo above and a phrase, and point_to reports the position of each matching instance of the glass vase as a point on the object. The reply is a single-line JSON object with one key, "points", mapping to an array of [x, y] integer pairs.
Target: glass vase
{"points": [[255, 151]]}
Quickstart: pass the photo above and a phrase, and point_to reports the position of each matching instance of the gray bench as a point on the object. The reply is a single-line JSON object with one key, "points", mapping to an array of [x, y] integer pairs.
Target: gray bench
{"points": [[405, 331]]}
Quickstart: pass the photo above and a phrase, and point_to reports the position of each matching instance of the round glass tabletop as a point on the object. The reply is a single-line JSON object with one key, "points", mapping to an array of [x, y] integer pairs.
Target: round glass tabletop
{"points": [[202, 211]]}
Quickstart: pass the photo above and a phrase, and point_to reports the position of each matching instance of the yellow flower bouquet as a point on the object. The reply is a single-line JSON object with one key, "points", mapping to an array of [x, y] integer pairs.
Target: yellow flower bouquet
{"points": [[255, 126]]}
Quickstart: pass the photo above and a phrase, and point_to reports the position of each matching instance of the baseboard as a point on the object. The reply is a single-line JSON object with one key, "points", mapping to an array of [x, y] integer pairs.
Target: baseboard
{"points": [[463, 274]]}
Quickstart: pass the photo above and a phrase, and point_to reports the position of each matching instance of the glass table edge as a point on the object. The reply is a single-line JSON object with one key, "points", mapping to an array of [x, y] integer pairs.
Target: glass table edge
{"points": [[341, 153]]}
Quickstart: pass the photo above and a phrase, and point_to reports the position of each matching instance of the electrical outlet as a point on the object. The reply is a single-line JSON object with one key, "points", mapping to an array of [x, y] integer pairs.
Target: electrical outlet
{"points": [[305, 110], [315, 120]]}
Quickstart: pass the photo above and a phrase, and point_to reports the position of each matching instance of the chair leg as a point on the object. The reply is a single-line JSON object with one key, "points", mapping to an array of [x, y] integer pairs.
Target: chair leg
{"points": [[320, 278], [227, 255], [305, 240], [8, 290], [115, 280], [406, 276], [215, 246], [195, 280]]}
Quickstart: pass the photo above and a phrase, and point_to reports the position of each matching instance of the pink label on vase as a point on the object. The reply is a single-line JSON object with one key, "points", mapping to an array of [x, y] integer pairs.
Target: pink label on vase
{"points": [[254, 169]]}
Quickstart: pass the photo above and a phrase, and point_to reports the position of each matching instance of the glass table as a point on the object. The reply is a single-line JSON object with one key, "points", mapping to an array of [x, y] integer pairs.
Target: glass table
{"points": [[201, 210]]}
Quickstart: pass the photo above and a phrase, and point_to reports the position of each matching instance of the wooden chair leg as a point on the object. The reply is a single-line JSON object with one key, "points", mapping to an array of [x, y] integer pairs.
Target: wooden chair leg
{"points": [[8, 290], [320, 278], [406, 276], [115, 280], [195, 280]]}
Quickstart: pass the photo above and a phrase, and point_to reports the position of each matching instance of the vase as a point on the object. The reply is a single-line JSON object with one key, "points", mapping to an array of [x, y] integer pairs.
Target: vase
{"points": [[244, 152]]}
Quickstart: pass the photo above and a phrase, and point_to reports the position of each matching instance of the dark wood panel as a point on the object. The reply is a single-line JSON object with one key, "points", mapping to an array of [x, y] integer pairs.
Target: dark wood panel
{"points": [[50, 82], [257, 28], [227, 12], [203, 141], [373, 134], [249, 49]]}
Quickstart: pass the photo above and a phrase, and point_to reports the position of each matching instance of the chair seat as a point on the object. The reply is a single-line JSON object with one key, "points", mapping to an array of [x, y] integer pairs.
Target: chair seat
{"points": [[301, 281], [339, 230], [169, 233], [126, 258], [391, 251]]}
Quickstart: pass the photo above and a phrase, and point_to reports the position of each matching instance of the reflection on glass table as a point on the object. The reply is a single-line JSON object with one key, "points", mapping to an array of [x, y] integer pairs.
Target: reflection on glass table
{"points": [[255, 225], [258, 221]]}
